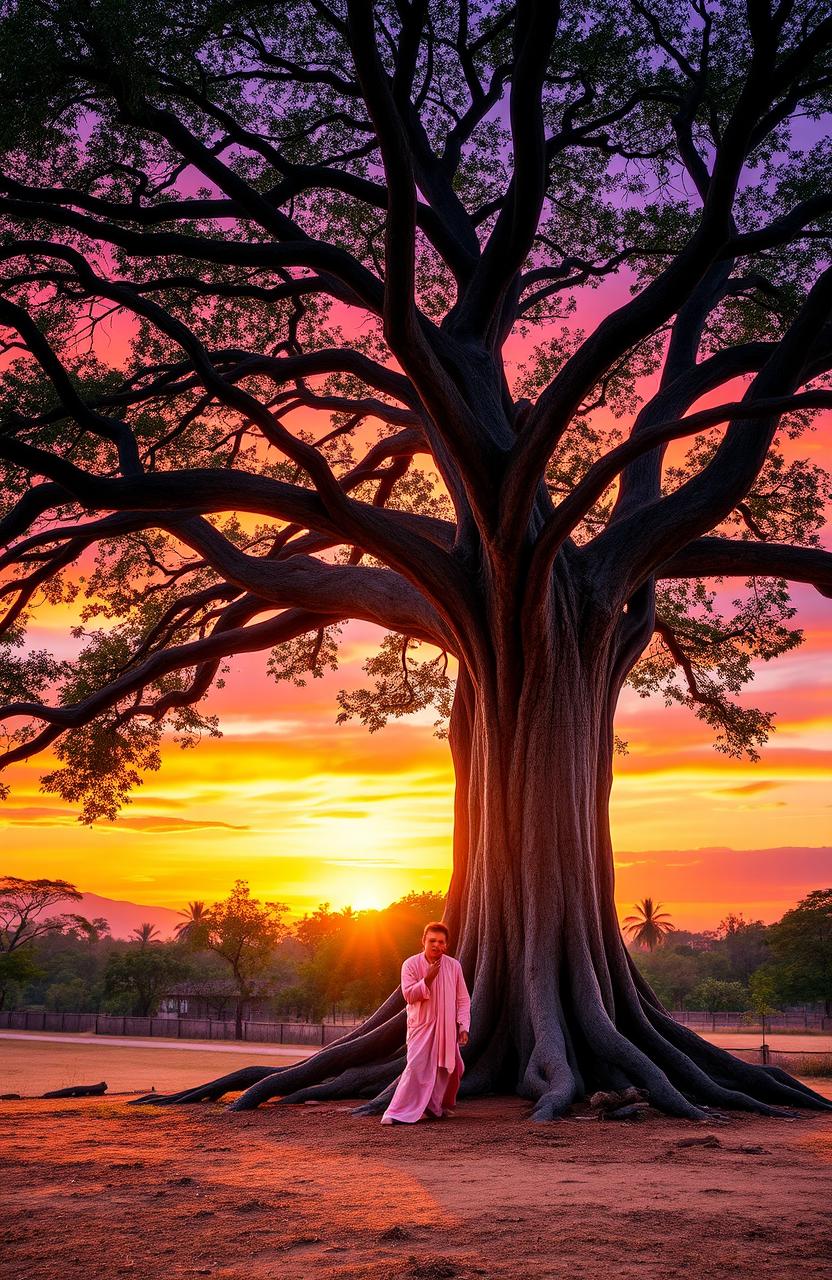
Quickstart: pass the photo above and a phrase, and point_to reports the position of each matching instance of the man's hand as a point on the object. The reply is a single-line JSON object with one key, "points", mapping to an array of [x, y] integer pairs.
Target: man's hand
{"points": [[463, 1038], [433, 971]]}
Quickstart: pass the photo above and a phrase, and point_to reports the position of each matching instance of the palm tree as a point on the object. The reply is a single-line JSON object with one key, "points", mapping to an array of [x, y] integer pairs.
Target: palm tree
{"points": [[145, 933], [650, 926], [196, 919]]}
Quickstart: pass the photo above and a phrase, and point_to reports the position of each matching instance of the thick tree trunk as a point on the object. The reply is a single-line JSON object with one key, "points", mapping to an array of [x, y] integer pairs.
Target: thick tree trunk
{"points": [[558, 1007]]}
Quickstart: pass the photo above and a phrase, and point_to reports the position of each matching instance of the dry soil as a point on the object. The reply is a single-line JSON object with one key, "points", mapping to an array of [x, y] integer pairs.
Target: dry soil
{"points": [[101, 1189]]}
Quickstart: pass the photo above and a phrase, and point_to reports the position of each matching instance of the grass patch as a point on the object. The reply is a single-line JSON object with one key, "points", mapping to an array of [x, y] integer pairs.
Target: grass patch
{"points": [[816, 1065]]}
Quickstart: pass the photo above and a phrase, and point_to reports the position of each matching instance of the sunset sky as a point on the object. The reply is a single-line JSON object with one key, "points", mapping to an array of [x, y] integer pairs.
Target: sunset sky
{"points": [[309, 811]]}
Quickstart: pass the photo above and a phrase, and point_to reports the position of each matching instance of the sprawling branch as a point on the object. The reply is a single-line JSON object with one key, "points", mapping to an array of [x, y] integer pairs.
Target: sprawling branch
{"points": [[509, 243], [204, 653], [644, 539], [723, 557], [574, 508], [222, 208], [653, 305]]}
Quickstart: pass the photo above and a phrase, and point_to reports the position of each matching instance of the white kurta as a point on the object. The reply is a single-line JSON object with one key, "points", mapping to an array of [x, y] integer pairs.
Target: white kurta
{"points": [[431, 1078]]}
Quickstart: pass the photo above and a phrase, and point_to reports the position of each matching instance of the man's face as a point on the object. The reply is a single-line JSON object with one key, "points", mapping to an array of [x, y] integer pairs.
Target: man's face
{"points": [[436, 944]]}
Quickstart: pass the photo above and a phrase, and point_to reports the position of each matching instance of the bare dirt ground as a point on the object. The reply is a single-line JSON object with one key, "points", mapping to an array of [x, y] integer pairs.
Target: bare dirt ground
{"points": [[100, 1189], [33, 1065], [783, 1041]]}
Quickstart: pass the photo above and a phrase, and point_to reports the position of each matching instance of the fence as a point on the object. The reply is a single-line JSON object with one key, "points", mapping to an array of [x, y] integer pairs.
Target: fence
{"points": [[798, 1062], [313, 1034], [316, 1034], [805, 1020]]}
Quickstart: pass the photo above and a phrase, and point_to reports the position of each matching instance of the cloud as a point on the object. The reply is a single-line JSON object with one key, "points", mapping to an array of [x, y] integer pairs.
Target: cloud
{"points": [[749, 788], [36, 816], [154, 822], [326, 814], [256, 727], [42, 816]]}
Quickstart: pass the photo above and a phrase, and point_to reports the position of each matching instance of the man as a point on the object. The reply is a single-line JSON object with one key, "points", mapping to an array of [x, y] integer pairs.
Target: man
{"points": [[438, 1020]]}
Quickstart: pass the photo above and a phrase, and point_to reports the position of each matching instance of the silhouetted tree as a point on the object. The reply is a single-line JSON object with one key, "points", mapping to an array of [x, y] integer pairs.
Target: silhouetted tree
{"points": [[801, 945], [143, 976], [145, 934], [312, 931], [92, 931], [23, 904], [714, 995], [650, 925], [746, 944], [372, 211], [195, 924]]}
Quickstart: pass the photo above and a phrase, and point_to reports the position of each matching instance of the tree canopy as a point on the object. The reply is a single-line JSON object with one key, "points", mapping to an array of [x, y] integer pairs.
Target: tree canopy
{"points": [[649, 926], [243, 933], [22, 907], [223, 222], [801, 943], [143, 975]]}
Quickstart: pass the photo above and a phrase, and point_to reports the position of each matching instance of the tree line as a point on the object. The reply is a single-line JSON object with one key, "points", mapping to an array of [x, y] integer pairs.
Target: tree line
{"points": [[223, 955], [240, 950], [742, 964]]}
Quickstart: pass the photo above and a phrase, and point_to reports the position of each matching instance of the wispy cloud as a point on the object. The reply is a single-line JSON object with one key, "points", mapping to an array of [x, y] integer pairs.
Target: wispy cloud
{"points": [[750, 788], [23, 816]]}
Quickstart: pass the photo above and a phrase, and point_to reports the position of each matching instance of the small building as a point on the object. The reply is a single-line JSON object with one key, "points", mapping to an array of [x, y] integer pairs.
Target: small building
{"points": [[214, 998]]}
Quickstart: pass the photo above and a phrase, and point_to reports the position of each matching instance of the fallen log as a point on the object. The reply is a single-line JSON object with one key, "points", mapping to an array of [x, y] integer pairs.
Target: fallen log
{"points": [[79, 1091]]}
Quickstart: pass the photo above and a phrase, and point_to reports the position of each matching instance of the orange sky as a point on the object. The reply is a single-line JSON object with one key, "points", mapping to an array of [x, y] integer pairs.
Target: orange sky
{"points": [[310, 811]]}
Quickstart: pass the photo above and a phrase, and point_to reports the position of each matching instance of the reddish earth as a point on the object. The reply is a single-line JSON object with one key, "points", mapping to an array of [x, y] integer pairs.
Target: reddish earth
{"points": [[100, 1189]]}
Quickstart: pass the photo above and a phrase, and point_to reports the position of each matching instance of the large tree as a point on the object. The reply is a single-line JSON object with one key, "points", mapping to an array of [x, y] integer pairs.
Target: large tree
{"points": [[528, 244]]}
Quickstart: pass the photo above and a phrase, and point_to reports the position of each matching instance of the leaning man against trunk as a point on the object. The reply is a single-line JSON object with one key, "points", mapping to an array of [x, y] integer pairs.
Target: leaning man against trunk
{"points": [[438, 1020]]}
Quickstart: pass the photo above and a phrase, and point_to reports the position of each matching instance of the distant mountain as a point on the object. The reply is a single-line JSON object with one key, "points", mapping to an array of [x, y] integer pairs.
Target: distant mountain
{"points": [[123, 917]]}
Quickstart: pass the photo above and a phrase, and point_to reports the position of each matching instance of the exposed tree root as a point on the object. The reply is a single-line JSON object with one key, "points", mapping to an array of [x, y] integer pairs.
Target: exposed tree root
{"points": [[764, 1084], [212, 1090], [368, 1048], [379, 1103], [358, 1082], [688, 1082], [681, 1073]]}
